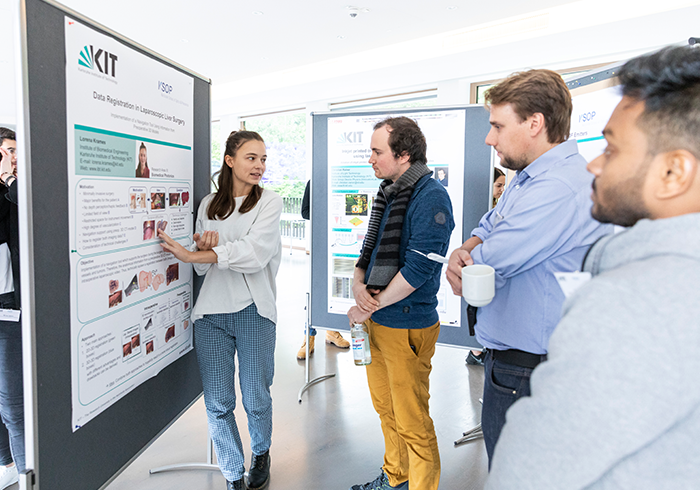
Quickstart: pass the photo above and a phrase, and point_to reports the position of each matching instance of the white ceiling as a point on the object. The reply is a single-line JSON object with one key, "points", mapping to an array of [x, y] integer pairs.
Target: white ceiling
{"points": [[227, 41], [291, 56]]}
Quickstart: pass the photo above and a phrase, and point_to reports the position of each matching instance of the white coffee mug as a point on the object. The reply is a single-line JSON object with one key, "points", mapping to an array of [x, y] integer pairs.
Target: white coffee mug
{"points": [[478, 284]]}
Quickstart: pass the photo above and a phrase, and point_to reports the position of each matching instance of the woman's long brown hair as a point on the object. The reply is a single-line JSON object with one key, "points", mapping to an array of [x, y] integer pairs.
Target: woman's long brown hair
{"points": [[223, 204]]}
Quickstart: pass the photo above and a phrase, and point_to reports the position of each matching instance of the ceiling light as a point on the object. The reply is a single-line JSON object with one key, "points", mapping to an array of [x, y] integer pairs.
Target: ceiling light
{"points": [[452, 7], [341, 37], [257, 12], [353, 11]]}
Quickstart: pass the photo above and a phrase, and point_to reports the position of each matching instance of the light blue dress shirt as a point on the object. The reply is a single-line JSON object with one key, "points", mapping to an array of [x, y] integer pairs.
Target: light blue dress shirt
{"points": [[541, 225]]}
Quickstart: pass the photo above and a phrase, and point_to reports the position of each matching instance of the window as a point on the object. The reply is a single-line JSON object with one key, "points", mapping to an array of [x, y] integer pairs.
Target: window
{"points": [[285, 173], [285, 138], [217, 154]]}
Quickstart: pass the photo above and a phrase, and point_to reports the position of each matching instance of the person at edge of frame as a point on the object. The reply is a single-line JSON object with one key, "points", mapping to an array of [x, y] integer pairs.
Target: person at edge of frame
{"points": [[601, 415], [332, 336], [12, 456]]}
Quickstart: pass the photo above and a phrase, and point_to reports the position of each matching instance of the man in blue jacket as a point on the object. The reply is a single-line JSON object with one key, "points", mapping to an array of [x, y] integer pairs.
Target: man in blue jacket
{"points": [[395, 290]]}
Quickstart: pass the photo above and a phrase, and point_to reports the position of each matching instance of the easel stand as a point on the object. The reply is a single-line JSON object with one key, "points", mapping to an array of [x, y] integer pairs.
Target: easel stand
{"points": [[308, 384], [472, 434], [209, 465]]}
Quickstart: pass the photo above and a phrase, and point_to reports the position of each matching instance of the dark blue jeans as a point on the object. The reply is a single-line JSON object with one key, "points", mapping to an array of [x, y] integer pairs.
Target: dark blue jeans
{"points": [[11, 391], [503, 385]]}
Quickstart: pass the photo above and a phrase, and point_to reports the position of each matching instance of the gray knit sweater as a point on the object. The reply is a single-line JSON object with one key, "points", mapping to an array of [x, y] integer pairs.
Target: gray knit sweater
{"points": [[617, 405]]}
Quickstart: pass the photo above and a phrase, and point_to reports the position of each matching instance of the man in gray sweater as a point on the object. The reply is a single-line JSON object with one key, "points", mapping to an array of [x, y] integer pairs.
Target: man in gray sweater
{"points": [[603, 413]]}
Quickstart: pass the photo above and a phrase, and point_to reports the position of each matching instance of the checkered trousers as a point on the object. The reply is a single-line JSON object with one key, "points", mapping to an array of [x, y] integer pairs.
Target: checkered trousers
{"points": [[217, 339]]}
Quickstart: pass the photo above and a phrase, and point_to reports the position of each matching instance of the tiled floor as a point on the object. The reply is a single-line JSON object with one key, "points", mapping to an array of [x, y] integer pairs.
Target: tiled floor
{"points": [[331, 440]]}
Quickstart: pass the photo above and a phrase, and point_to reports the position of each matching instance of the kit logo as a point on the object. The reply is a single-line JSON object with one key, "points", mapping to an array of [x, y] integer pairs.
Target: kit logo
{"points": [[101, 60], [350, 137]]}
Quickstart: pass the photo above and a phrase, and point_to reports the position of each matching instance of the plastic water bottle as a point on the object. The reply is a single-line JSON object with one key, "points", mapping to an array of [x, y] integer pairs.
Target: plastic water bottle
{"points": [[360, 344]]}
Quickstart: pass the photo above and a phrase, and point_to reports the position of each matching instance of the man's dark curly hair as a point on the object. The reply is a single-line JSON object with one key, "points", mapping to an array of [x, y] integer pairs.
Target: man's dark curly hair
{"points": [[7, 134], [668, 82], [405, 136]]}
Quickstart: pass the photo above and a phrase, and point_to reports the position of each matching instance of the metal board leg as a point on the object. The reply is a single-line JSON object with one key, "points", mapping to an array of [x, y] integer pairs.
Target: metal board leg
{"points": [[308, 384], [209, 465]]}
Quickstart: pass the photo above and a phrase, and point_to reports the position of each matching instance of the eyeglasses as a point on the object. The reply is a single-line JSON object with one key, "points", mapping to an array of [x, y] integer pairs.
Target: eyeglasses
{"points": [[11, 151]]}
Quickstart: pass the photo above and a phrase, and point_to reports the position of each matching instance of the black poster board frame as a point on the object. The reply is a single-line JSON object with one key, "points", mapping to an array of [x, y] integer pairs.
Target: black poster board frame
{"points": [[92, 456]]}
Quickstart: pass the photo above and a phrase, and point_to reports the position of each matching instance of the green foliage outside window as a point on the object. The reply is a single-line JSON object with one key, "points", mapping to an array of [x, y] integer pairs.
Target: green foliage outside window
{"points": [[285, 138]]}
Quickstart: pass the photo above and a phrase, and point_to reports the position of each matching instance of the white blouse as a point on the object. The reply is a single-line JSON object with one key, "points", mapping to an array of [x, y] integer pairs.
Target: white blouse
{"points": [[249, 254]]}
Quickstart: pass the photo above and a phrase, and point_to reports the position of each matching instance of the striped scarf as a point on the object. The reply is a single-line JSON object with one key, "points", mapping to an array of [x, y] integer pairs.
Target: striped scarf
{"points": [[386, 263]]}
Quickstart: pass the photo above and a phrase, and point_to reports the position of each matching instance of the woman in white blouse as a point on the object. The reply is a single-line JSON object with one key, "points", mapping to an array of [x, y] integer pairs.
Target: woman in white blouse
{"points": [[238, 247]]}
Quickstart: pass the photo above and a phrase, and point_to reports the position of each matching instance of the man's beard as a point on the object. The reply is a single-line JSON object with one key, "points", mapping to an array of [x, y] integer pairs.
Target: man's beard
{"points": [[625, 204], [516, 164]]}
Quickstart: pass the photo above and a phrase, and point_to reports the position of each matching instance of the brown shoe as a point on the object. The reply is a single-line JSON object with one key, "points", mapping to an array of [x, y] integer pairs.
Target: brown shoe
{"points": [[301, 355], [333, 337]]}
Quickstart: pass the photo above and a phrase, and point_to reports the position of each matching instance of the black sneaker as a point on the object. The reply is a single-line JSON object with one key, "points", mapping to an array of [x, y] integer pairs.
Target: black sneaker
{"points": [[236, 485], [259, 473], [380, 483], [473, 360]]}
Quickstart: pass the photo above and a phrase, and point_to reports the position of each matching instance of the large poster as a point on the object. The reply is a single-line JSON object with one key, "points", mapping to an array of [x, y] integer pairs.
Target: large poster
{"points": [[352, 187], [593, 106], [130, 170]]}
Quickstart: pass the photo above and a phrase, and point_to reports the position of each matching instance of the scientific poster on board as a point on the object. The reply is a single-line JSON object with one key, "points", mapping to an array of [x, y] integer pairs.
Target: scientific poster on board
{"points": [[130, 170], [352, 188], [593, 106]]}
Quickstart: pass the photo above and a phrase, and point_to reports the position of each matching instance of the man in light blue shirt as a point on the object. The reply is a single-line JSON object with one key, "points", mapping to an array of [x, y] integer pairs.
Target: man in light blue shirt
{"points": [[541, 225]]}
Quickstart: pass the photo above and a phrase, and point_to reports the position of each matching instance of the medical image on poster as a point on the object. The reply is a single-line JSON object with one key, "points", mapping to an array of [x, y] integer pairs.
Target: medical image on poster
{"points": [[137, 201], [157, 200], [115, 299]]}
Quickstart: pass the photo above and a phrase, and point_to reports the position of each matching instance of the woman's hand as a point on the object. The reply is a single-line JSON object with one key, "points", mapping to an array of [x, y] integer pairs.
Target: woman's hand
{"points": [[207, 240], [171, 246]]}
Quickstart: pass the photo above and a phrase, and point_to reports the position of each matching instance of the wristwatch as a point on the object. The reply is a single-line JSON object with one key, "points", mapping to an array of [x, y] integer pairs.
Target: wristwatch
{"points": [[5, 176]]}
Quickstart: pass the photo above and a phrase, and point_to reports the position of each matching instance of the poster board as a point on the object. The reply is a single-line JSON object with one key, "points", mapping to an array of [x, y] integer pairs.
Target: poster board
{"points": [[85, 450], [341, 174], [595, 95]]}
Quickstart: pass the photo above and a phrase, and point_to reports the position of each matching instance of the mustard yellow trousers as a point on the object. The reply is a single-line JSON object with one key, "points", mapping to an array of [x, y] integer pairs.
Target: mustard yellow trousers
{"points": [[398, 379]]}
